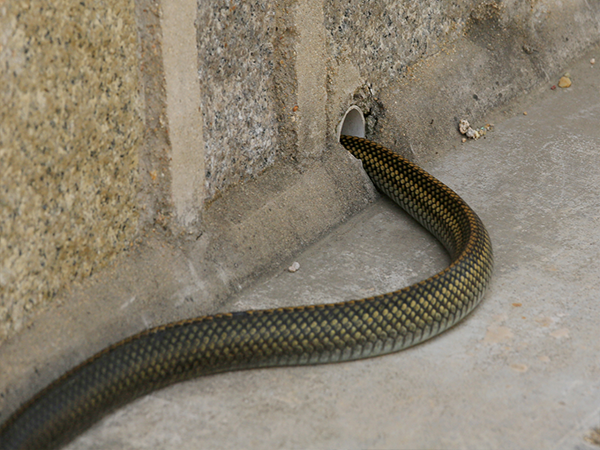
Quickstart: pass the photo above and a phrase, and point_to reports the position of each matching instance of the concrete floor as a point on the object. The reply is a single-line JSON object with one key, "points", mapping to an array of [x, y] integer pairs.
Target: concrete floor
{"points": [[522, 372]]}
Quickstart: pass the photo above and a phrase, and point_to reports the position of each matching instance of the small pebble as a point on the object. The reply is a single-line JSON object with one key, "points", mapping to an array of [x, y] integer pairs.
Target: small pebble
{"points": [[564, 82], [524, 113], [593, 61], [294, 267], [465, 128], [521, 368], [473, 134]]}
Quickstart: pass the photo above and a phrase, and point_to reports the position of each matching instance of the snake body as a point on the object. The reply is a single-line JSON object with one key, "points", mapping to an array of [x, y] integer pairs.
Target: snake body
{"points": [[278, 337]]}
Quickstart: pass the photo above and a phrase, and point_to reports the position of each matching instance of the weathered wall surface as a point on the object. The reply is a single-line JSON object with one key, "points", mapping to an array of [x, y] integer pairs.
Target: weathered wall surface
{"points": [[384, 38], [431, 63], [216, 134], [236, 72], [70, 128], [276, 79]]}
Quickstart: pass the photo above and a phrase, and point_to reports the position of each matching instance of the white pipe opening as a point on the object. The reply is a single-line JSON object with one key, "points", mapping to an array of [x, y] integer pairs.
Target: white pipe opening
{"points": [[352, 124]]}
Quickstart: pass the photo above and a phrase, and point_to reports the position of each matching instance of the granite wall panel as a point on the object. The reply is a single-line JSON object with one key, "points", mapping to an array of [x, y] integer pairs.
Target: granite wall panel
{"points": [[69, 130], [237, 89]]}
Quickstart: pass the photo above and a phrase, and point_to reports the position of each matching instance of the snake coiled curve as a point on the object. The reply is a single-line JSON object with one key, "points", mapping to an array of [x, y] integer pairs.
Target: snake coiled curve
{"points": [[277, 337]]}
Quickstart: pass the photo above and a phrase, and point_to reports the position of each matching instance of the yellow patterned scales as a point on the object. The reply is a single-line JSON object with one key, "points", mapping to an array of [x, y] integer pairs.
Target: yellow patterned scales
{"points": [[278, 337]]}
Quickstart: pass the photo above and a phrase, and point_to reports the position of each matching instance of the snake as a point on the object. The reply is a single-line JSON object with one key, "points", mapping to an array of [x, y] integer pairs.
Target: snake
{"points": [[288, 336]]}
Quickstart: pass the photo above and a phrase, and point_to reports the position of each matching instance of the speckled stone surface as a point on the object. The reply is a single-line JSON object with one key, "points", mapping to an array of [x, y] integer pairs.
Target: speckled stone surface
{"points": [[276, 78], [405, 32], [271, 74], [236, 69], [70, 126]]}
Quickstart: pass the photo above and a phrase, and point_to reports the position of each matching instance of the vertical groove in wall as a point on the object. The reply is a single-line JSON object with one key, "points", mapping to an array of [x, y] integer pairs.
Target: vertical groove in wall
{"points": [[154, 194], [183, 99], [312, 76]]}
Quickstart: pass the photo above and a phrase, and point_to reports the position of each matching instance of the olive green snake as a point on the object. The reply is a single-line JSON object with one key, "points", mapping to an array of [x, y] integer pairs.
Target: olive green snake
{"points": [[278, 337]]}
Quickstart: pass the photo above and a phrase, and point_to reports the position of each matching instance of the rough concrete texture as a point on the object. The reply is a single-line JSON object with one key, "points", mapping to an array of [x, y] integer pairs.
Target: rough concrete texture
{"points": [[245, 234], [70, 127], [521, 372], [266, 91], [490, 53], [93, 145]]}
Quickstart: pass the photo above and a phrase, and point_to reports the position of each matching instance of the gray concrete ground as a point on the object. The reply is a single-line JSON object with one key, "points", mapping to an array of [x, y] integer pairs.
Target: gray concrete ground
{"points": [[522, 372]]}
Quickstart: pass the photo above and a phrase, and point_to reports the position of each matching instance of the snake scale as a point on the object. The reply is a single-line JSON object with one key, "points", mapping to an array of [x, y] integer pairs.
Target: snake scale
{"points": [[278, 337]]}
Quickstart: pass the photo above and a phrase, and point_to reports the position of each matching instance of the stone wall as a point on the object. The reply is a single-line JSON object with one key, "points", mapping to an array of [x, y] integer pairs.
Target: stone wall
{"points": [[70, 129], [195, 122]]}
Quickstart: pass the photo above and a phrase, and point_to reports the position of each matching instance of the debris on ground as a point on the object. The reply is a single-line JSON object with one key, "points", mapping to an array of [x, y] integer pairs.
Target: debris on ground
{"points": [[565, 81], [593, 436], [294, 267], [471, 133], [593, 61]]}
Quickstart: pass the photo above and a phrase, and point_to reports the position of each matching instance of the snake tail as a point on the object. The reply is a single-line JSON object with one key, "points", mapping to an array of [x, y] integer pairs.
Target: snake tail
{"points": [[278, 337]]}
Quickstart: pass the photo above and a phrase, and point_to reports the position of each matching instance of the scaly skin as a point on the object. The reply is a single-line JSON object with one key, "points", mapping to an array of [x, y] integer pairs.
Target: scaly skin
{"points": [[277, 337]]}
